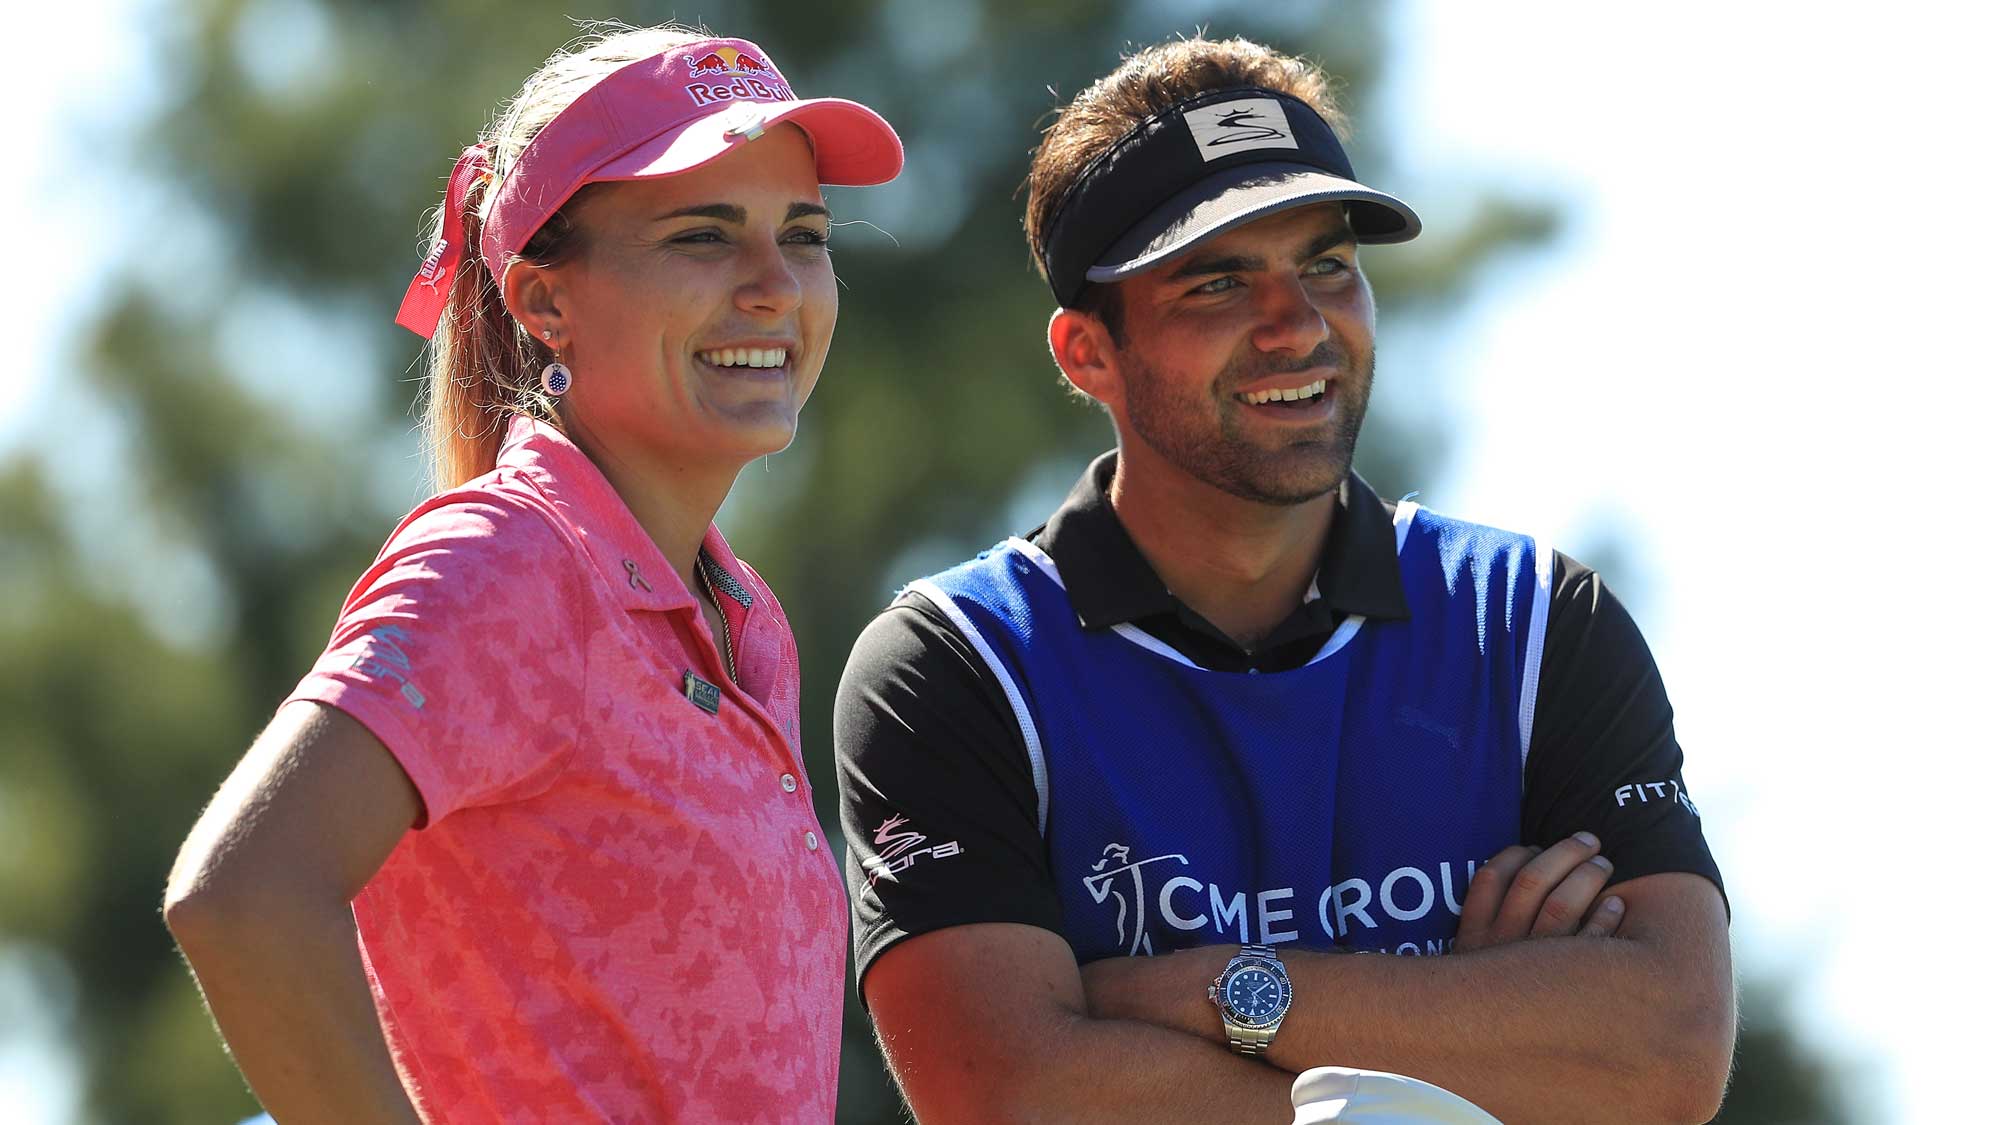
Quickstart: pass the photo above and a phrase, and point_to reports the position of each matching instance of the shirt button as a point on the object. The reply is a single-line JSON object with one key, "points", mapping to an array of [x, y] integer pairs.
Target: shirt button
{"points": [[790, 783], [812, 841]]}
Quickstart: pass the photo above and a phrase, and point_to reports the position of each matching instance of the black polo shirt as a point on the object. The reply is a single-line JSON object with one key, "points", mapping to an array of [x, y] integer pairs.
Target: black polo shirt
{"points": [[925, 741]]}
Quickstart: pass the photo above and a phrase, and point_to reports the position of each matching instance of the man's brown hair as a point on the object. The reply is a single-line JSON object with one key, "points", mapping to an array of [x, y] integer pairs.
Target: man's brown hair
{"points": [[1143, 85]]}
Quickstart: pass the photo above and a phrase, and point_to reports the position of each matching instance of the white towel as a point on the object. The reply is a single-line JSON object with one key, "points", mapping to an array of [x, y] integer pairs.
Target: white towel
{"points": [[1327, 1095]]}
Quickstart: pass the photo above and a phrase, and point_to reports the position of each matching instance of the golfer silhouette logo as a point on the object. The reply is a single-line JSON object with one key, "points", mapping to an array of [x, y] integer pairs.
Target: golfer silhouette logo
{"points": [[1107, 884]]}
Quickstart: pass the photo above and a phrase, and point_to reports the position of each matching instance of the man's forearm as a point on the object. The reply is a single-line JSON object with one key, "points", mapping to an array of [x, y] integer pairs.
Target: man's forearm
{"points": [[1083, 1070], [987, 1022], [1634, 1028], [1563, 1029]]}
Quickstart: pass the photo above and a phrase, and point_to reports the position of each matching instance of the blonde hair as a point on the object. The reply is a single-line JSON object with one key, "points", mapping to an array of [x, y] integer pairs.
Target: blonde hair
{"points": [[484, 366]]}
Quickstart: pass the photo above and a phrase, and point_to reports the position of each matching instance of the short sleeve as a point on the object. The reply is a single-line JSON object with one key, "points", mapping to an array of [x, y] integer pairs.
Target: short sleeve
{"points": [[1603, 756], [936, 796], [463, 649]]}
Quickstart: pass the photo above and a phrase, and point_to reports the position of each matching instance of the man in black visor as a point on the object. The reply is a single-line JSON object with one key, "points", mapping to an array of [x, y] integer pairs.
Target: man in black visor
{"points": [[1120, 792]]}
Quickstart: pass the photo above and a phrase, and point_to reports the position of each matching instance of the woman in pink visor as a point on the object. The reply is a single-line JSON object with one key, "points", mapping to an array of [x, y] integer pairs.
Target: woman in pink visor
{"points": [[547, 769]]}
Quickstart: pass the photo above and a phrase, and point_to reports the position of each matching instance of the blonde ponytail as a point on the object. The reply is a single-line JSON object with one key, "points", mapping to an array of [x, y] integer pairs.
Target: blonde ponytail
{"points": [[484, 367]]}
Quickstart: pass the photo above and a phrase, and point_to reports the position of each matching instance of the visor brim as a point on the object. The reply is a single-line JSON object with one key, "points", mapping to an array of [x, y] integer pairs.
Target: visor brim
{"points": [[852, 145], [1243, 194]]}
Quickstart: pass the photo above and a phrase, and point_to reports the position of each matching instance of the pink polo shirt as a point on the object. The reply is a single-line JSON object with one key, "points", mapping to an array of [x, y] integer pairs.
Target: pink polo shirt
{"points": [[619, 906]]}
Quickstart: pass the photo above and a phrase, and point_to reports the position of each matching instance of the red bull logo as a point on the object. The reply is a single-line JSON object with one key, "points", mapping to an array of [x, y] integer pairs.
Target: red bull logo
{"points": [[749, 78], [728, 60]]}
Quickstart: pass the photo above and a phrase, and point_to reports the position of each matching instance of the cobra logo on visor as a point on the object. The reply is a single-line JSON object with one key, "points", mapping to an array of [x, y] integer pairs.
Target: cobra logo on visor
{"points": [[1241, 125]]}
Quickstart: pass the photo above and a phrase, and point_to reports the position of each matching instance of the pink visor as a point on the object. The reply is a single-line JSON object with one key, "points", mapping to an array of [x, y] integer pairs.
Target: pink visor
{"points": [[656, 117]]}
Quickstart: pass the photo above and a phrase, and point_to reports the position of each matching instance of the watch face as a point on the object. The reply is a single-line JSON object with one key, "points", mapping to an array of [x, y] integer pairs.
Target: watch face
{"points": [[1257, 995]]}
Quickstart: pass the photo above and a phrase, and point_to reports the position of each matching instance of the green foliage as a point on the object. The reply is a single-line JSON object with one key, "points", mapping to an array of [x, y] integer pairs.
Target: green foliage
{"points": [[259, 399], [1778, 1080]]}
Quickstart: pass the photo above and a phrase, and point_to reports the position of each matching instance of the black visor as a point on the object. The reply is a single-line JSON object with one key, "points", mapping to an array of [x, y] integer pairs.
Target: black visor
{"points": [[1201, 167]]}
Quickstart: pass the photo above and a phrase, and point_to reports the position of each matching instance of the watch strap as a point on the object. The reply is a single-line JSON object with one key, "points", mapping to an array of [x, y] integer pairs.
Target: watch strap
{"points": [[1249, 1041]]}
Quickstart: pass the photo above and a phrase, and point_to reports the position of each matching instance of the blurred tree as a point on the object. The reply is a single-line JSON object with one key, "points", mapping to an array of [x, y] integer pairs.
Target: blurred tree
{"points": [[1779, 1080], [158, 606]]}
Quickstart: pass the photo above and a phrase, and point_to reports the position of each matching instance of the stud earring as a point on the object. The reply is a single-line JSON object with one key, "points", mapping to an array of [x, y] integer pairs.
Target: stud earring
{"points": [[555, 377]]}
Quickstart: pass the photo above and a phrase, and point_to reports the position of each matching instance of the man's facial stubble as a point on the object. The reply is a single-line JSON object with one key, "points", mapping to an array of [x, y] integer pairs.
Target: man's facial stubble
{"points": [[1205, 431]]}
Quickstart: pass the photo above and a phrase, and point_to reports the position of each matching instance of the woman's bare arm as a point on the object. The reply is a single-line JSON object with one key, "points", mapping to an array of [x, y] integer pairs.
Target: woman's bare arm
{"points": [[258, 901]]}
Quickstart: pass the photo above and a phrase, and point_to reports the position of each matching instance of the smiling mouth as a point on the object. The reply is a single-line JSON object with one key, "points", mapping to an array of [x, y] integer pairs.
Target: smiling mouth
{"points": [[1293, 397], [744, 357]]}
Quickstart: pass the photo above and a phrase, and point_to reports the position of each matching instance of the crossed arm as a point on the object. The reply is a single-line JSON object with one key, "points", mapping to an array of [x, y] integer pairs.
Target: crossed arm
{"points": [[1605, 1015]]}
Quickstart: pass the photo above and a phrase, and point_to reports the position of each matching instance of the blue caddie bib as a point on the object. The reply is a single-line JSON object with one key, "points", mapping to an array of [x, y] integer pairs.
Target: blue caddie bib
{"points": [[1342, 803]]}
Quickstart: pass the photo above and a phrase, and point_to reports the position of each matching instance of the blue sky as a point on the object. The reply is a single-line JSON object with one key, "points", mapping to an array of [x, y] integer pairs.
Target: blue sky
{"points": [[1757, 354]]}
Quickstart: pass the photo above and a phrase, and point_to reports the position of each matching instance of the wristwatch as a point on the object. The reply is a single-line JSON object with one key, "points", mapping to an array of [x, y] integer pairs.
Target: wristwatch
{"points": [[1253, 994]]}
